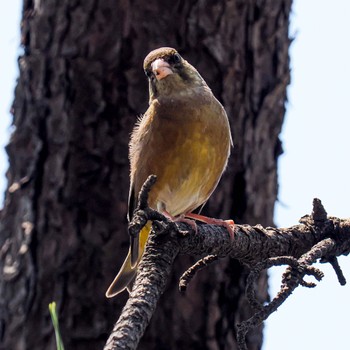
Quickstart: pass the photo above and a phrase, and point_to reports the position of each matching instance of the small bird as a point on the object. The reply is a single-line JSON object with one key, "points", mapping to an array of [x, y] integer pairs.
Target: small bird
{"points": [[184, 139]]}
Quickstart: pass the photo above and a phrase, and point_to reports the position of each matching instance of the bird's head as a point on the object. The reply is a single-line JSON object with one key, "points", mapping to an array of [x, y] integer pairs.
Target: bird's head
{"points": [[169, 74]]}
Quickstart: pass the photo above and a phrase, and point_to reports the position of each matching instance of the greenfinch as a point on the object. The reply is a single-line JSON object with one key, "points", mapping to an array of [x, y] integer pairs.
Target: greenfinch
{"points": [[184, 139]]}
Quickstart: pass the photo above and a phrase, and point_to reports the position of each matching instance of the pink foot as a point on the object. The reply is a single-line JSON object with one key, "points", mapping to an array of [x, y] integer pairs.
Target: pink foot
{"points": [[228, 224], [181, 218]]}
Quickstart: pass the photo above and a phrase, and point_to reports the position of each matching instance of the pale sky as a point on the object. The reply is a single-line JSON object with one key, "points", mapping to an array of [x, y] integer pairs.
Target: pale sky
{"points": [[316, 141], [315, 164]]}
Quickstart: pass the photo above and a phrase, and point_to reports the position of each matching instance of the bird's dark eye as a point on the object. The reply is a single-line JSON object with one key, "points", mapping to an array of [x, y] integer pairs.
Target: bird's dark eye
{"points": [[174, 59]]}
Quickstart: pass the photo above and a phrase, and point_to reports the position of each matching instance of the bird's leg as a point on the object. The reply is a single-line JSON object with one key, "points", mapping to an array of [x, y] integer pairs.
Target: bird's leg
{"points": [[181, 218], [228, 224]]}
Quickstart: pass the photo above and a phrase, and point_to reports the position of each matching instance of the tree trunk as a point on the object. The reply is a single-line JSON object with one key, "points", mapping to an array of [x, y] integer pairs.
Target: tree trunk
{"points": [[80, 90]]}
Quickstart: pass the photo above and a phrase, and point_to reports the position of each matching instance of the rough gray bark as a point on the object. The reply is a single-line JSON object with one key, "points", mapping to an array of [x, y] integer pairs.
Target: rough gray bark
{"points": [[81, 87], [317, 238]]}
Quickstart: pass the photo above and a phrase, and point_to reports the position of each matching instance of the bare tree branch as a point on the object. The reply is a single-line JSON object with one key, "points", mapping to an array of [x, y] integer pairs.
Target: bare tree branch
{"points": [[317, 237], [186, 278]]}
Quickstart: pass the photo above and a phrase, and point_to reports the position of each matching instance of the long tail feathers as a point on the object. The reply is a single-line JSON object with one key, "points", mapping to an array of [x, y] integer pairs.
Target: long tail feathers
{"points": [[127, 273], [124, 279], [134, 250]]}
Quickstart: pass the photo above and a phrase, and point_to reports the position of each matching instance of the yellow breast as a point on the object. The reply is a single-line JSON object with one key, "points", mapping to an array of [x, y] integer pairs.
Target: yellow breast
{"points": [[187, 148]]}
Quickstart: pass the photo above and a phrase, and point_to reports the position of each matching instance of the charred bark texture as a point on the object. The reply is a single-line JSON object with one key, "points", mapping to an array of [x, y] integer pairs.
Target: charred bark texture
{"points": [[317, 238], [80, 89]]}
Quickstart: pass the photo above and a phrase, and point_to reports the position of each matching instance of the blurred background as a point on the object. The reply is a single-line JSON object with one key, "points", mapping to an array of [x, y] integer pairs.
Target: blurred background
{"points": [[315, 162]]}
